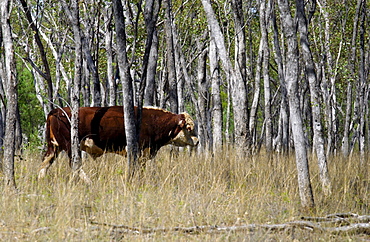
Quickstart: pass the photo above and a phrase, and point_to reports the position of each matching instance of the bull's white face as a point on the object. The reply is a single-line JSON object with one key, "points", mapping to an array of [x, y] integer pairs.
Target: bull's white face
{"points": [[186, 135], [184, 138]]}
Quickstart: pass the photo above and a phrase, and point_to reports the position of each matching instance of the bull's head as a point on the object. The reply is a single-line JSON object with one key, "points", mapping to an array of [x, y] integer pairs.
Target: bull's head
{"points": [[187, 134]]}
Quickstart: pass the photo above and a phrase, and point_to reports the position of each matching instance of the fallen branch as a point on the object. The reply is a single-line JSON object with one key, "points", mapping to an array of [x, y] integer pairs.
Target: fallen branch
{"points": [[334, 224]]}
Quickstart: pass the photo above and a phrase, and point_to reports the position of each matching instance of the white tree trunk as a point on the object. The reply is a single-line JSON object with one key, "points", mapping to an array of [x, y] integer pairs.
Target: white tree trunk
{"points": [[128, 94], [216, 96], [264, 17], [73, 15], [112, 87], [10, 81], [238, 87], [318, 137], [291, 77]]}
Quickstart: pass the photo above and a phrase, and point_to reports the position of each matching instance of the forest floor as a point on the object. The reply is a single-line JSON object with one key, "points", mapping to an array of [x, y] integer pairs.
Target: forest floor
{"points": [[186, 196]]}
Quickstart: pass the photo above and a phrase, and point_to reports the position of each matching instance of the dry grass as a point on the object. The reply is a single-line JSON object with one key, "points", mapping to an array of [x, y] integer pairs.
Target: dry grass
{"points": [[175, 190]]}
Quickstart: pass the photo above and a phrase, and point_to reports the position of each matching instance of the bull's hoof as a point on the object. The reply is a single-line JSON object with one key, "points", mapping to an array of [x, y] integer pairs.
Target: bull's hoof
{"points": [[42, 173]]}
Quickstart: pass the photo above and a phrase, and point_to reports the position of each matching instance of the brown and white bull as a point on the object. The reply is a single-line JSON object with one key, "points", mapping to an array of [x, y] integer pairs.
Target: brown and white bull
{"points": [[101, 129]]}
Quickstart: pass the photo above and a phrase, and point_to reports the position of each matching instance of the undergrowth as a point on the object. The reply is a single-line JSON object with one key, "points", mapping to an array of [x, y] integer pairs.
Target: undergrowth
{"points": [[177, 189]]}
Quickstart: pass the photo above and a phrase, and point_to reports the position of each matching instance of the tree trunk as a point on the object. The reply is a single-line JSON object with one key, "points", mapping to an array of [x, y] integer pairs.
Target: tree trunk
{"points": [[86, 89], [290, 32], [237, 85], [256, 95], [127, 88], [282, 139], [151, 14], [73, 16], [111, 81], [59, 68], [46, 73], [318, 138], [10, 81], [363, 88], [96, 93], [345, 140], [202, 97], [171, 69], [328, 84], [264, 17], [240, 49], [216, 96]]}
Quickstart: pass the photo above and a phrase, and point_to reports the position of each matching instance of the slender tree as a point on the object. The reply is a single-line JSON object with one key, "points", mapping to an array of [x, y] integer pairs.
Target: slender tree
{"points": [[10, 80], [151, 19], [46, 74], [202, 96], [236, 82], [151, 15], [111, 81], [127, 88], [171, 69], [291, 77], [264, 19], [256, 94], [216, 96], [318, 139], [282, 139], [72, 13]]}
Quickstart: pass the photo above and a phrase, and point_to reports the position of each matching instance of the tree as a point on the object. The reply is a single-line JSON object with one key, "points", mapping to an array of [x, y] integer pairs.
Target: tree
{"points": [[9, 77], [111, 80], [216, 96], [236, 82], [128, 96], [73, 16], [291, 77], [318, 139], [171, 69], [151, 15], [281, 142], [47, 73], [264, 18], [202, 97]]}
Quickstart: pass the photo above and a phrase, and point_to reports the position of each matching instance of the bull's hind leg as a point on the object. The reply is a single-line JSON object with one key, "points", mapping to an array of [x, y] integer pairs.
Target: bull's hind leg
{"points": [[48, 160]]}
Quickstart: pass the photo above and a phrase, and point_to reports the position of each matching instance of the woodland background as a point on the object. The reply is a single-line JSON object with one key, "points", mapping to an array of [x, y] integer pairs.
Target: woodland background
{"points": [[285, 76]]}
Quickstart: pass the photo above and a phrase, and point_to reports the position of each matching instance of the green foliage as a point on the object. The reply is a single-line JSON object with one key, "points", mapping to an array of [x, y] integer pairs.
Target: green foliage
{"points": [[31, 113]]}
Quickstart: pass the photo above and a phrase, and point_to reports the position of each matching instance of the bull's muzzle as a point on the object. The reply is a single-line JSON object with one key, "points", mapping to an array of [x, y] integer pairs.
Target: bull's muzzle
{"points": [[184, 138]]}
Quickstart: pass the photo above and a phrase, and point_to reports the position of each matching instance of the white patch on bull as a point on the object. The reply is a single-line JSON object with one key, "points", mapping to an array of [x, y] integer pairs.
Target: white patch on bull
{"points": [[45, 165], [183, 138], [42, 173], [89, 146], [54, 142]]}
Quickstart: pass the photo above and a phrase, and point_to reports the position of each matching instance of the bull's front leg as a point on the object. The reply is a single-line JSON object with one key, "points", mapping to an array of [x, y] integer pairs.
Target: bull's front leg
{"points": [[91, 148]]}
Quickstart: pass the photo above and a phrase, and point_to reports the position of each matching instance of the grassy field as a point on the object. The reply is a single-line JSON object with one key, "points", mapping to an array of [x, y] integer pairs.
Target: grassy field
{"points": [[184, 190]]}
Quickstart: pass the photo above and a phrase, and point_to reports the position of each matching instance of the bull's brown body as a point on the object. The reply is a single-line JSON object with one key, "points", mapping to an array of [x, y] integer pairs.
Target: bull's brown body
{"points": [[101, 129]]}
